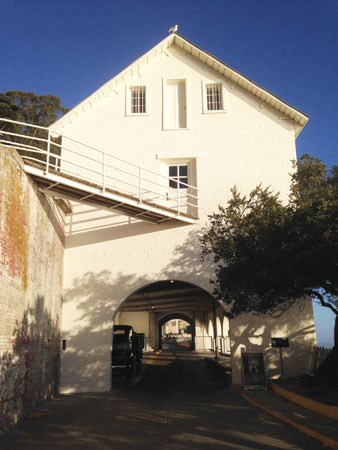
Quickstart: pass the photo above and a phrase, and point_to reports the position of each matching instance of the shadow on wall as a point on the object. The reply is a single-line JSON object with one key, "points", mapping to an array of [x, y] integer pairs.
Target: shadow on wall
{"points": [[254, 330], [30, 372], [100, 225], [86, 360], [188, 265], [251, 331], [91, 303]]}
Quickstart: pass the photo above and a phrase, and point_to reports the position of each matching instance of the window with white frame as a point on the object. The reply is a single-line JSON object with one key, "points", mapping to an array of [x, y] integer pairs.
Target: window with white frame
{"points": [[138, 100], [181, 191], [178, 175], [214, 97]]}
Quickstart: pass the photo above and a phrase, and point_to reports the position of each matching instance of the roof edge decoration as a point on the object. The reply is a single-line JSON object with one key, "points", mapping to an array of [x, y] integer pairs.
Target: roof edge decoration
{"points": [[298, 118]]}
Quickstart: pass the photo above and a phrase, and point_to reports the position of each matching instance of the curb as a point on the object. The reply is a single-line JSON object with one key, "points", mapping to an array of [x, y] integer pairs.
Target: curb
{"points": [[317, 407], [328, 442]]}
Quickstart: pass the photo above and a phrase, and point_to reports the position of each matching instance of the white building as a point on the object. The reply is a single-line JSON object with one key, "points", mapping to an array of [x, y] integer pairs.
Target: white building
{"points": [[175, 112]]}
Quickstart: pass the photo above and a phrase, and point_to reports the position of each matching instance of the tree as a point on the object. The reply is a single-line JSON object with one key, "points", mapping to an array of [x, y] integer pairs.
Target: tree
{"points": [[270, 256], [29, 108], [7, 108], [42, 110]]}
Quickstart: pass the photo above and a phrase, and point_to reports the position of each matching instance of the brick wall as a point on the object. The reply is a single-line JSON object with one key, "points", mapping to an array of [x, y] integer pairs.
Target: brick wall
{"points": [[31, 267]]}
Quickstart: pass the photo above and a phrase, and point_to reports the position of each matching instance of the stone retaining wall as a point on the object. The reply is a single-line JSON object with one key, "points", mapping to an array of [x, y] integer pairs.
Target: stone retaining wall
{"points": [[31, 268]]}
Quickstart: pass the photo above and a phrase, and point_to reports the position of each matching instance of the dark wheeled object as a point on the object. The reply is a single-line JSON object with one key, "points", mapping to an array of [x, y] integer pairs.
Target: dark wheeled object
{"points": [[127, 349]]}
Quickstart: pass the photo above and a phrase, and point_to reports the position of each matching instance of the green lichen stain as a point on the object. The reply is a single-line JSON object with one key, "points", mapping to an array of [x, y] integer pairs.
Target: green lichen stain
{"points": [[15, 227]]}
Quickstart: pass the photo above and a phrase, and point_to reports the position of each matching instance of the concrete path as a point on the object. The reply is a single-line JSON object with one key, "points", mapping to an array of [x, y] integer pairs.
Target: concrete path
{"points": [[177, 405], [312, 423]]}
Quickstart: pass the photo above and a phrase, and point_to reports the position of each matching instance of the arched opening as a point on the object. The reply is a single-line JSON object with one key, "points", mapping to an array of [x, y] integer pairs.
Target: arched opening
{"points": [[218, 327], [174, 316], [176, 332], [210, 328], [145, 308]]}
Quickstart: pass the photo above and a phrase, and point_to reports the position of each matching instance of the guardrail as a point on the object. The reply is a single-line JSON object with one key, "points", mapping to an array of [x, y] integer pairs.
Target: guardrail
{"points": [[56, 153], [208, 343]]}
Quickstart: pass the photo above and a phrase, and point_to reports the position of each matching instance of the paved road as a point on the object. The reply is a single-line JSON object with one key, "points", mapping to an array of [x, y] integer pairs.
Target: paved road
{"points": [[178, 405]]}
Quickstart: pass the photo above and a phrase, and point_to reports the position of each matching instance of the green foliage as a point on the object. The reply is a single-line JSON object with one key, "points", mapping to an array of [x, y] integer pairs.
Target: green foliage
{"points": [[7, 108], [270, 255], [42, 110]]}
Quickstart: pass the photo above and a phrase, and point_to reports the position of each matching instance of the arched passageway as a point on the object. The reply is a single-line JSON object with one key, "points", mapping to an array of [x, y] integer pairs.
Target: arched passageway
{"points": [[151, 306], [176, 332]]}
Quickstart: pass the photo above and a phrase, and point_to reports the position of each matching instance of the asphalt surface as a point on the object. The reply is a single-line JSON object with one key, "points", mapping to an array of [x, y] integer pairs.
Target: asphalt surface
{"points": [[177, 405]]}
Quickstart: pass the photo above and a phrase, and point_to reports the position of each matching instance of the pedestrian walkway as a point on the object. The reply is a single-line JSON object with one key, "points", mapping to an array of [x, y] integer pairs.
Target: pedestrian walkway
{"points": [[184, 404], [318, 426]]}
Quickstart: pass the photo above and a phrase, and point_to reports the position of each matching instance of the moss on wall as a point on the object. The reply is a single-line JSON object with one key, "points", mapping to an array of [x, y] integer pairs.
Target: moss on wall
{"points": [[31, 269], [13, 233]]}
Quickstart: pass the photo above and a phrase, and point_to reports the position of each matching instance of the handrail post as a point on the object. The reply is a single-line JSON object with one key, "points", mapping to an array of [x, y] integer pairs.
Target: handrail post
{"points": [[103, 171], [140, 195], [178, 199], [48, 151]]}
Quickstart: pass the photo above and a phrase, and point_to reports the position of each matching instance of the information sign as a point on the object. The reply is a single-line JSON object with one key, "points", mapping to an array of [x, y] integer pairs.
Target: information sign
{"points": [[279, 342], [253, 370]]}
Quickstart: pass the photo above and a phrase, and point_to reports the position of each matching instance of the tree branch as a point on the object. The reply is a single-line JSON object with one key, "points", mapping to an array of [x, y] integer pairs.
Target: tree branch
{"points": [[322, 301]]}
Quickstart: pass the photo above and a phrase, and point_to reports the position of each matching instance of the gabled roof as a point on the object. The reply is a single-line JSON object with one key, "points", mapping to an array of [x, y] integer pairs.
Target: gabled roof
{"points": [[299, 119]]}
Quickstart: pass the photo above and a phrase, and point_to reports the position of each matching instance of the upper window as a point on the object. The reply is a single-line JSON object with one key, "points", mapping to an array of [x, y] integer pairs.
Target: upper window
{"points": [[178, 175], [214, 97], [138, 99]]}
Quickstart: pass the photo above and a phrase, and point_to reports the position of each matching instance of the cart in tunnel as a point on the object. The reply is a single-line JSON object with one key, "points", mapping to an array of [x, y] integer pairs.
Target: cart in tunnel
{"points": [[127, 348]]}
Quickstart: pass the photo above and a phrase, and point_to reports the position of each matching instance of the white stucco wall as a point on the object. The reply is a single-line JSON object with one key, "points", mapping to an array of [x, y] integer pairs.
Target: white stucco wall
{"points": [[297, 325], [108, 256]]}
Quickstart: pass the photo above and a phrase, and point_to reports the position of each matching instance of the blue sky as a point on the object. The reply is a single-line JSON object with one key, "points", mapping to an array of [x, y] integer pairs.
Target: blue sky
{"points": [[69, 48]]}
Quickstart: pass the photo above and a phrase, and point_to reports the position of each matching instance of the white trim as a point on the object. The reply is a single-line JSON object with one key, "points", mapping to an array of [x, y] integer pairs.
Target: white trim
{"points": [[165, 163]]}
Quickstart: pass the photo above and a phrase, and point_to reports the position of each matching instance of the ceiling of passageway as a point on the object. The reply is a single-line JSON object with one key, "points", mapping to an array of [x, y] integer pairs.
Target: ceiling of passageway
{"points": [[169, 296]]}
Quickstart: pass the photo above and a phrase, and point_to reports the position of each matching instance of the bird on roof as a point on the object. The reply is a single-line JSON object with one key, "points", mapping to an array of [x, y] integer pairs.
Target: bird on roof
{"points": [[173, 29]]}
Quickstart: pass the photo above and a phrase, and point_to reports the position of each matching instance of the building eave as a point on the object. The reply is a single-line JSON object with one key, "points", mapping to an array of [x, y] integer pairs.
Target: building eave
{"points": [[298, 117]]}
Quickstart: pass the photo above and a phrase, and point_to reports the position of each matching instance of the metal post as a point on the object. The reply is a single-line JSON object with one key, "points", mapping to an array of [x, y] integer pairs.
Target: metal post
{"points": [[103, 171], [177, 199], [48, 151], [140, 196], [281, 362]]}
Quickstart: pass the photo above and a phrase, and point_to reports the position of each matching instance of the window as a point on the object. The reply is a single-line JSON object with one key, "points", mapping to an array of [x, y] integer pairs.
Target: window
{"points": [[214, 97], [138, 99], [179, 192], [178, 175]]}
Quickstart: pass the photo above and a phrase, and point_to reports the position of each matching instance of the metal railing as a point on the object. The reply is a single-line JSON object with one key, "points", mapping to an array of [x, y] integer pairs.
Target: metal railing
{"points": [[208, 343], [56, 153]]}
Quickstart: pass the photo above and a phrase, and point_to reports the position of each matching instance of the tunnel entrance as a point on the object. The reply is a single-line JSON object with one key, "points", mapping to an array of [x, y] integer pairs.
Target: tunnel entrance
{"points": [[181, 323], [199, 320], [176, 332]]}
